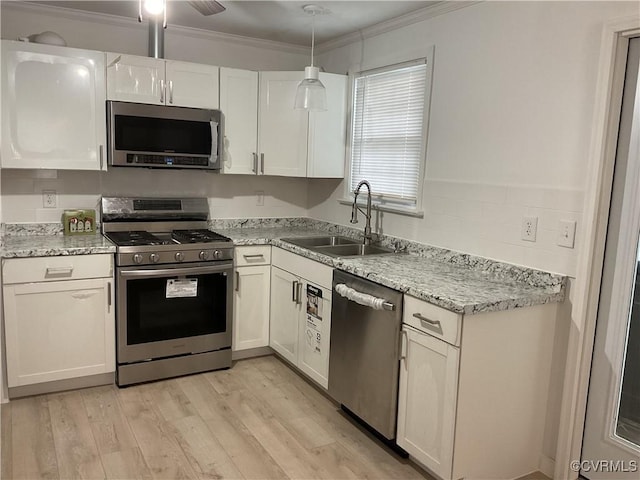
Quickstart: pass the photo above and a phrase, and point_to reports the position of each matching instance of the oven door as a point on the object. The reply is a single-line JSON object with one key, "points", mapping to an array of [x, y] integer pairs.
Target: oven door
{"points": [[168, 310]]}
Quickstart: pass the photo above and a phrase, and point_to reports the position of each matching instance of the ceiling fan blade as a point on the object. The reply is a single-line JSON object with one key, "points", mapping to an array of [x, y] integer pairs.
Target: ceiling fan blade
{"points": [[207, 7]]}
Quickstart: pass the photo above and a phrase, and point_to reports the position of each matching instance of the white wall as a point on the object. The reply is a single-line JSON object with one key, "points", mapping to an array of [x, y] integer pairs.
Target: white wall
{"points": [[229, 196], [509, 128]]}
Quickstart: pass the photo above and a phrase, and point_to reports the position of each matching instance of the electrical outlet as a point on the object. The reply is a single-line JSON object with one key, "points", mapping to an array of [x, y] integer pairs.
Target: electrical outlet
{"points": [[260, 198], [49, 199], [529, 229], [566, 233]]}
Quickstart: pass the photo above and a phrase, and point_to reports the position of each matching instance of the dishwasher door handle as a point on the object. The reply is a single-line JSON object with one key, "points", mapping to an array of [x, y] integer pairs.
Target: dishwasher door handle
{"points": [[362, 298]]}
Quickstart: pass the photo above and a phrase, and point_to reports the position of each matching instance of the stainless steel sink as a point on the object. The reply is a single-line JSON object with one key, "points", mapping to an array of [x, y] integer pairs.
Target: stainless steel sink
{"points": [[352, 250], [324, 241]]}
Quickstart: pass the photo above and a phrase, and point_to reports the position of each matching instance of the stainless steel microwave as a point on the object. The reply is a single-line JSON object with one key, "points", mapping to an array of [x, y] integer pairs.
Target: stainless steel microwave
{"points": [[158, 136]]}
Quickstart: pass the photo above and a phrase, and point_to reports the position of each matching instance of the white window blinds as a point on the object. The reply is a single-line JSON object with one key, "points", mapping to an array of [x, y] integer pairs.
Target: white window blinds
{"points": [[387, 132]]}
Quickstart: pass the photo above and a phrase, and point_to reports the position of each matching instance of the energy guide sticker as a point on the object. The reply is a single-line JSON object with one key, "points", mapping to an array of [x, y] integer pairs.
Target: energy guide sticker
{"points": [[177, 288]]}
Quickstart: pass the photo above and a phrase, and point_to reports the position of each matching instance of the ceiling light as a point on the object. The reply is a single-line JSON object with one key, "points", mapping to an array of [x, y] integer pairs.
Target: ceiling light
{"points": [[311, 94], [154, 7]]}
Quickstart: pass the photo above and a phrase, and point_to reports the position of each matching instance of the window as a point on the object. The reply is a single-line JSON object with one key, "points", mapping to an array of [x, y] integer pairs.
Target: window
{"points": [[388, 132]]}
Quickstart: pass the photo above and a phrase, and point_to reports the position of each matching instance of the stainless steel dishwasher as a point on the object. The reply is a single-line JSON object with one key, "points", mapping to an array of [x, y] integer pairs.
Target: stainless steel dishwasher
{"points": [[364, 353]]}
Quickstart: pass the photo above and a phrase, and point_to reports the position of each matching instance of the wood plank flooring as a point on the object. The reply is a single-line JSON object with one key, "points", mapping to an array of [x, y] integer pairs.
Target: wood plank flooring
{"points": [[259, 420]]}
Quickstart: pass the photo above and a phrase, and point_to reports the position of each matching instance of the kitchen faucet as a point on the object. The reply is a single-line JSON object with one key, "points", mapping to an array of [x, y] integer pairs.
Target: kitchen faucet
{"points": [[354, 211]]}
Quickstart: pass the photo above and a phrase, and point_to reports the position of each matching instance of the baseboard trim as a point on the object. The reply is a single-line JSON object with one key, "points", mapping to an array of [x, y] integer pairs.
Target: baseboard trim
{"points": [[251, 353], [62, 385], [547, 465]]}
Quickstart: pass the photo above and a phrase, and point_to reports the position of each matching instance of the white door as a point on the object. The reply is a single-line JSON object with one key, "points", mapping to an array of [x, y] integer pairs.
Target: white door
{"points": [[282, 130], [427, 400], [251, 307], [285, 313], [239, 106], [192, 85], [53, 107], [58, 330], [328, 130], [611, 444], [315, 332], [135, 79]]}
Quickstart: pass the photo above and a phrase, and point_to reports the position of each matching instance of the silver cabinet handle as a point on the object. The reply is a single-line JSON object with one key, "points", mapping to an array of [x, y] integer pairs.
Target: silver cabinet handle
{"points": [[403, 347], [254, 169], [170, 91], [262, 163], [294, 291], [59, 270], [108, 296], [433, 325], [257, 255], [161, 91], [101, 155], [237, 280], [299, 294]]}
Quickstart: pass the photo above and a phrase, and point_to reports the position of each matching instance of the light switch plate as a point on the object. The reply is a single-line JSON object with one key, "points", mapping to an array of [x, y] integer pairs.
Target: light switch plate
{"points": [[566, 233]]}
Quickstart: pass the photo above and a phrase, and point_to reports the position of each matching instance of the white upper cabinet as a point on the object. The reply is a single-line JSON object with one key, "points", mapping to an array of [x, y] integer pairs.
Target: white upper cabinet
{"points": [[156, 81], [265, 135], [239, 106], [282, 132], [53, 107]]}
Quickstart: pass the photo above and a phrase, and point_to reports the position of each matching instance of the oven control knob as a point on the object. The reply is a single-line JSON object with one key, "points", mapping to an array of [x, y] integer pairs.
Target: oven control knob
{"points": [[179, 256], [217, 254], [154, 257], [137, 258], [203, 255]]}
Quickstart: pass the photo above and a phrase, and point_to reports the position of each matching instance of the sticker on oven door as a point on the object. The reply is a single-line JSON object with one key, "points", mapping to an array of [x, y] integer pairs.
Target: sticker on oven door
{"points": [[187, 287]]}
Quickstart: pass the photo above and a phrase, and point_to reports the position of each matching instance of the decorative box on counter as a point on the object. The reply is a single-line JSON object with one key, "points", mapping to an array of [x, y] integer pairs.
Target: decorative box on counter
{"points": [[79, 222]]}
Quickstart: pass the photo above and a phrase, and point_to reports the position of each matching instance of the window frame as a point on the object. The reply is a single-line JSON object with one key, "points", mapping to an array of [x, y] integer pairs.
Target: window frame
{"points": [[378, 201]]}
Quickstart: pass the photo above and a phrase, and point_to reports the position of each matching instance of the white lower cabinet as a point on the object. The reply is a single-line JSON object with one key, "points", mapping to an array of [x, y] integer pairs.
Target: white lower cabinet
{"points": [[251, 298], [472, 396], [59, 324], [300, 324]]}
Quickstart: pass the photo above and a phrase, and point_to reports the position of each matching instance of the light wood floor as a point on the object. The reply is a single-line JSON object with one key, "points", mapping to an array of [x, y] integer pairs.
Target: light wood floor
{"points": [[258, 420]]}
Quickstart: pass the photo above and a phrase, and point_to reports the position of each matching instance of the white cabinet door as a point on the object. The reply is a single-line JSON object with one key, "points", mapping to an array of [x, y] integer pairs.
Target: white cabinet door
{"points": [[137, 79], [192, 85], [285, 313], [282, 130], [315, 333], [427, 400], [251, 307], [328, 131], [58, 330], [53, 107], [239, 106]]}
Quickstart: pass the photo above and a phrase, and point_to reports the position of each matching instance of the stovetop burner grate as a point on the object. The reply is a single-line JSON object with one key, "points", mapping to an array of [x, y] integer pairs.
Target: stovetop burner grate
{"points": [[198, 236], [135, 238]]}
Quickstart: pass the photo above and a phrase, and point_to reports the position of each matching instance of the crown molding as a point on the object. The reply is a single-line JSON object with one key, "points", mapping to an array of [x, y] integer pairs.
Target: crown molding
{"points": [[132, 23], [410, 18]]}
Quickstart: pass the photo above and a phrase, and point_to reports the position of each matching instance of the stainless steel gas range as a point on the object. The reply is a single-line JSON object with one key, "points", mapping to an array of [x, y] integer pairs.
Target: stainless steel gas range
{"points": [[174, 288]]}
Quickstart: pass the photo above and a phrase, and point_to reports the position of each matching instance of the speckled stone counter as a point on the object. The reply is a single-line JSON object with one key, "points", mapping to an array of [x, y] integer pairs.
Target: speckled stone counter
{"points": [[458, 282], [14, 246]]}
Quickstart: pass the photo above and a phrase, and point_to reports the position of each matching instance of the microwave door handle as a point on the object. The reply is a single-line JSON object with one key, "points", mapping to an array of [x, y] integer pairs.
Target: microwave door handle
{"points": [[214, 140]]}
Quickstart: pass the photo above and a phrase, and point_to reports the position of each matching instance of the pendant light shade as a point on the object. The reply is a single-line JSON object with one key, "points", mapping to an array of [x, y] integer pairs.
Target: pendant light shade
{"points": [[311, 94]]}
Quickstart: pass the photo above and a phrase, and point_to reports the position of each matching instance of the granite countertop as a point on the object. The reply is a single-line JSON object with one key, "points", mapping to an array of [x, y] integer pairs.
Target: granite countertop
{"points": [[445, 280], [19, 246], [458, 282]]}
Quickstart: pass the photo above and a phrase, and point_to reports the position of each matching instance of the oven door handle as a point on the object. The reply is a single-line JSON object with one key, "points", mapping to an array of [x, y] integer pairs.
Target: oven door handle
{"points": [[172, 272]]}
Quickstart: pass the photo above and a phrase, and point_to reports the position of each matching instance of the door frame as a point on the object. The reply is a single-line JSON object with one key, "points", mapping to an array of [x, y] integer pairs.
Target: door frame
{"points": [[608, 103]]}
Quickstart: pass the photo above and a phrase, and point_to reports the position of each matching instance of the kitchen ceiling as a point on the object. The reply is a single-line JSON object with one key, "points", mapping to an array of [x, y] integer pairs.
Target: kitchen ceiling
{"points": [[281, 21]]}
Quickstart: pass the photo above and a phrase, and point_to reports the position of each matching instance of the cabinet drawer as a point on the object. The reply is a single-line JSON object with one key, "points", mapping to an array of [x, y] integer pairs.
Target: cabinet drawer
{"points": [[435, 321], [48, 269], [314, 272], [254, 255]]}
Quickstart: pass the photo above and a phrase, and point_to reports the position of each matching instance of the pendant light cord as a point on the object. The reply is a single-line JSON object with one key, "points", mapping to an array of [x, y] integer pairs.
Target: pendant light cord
{"points": [[313, 34]]}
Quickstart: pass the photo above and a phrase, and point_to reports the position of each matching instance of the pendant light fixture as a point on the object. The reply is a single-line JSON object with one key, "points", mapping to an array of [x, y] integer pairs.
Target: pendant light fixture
{"points": [[311, 94]]}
